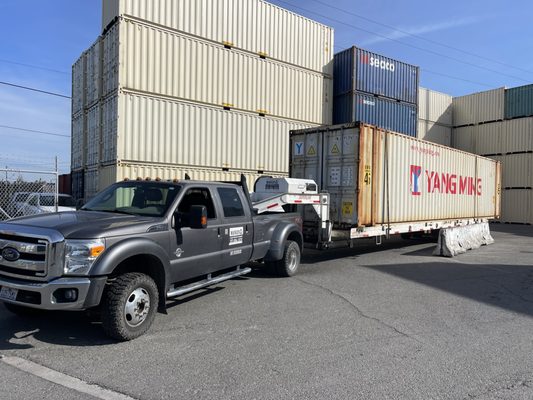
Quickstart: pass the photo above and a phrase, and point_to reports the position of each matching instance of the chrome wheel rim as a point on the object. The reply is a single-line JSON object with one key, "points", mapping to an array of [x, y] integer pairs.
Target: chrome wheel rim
{"points": [[293, 260], [137, 307]]}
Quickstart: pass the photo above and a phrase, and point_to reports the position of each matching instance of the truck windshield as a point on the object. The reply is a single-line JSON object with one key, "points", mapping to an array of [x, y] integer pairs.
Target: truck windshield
{"points": [[136, 198]]}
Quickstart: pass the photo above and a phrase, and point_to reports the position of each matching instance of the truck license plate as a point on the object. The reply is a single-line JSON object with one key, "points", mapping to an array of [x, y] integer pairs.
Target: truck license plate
{"points": [[8, 293]]}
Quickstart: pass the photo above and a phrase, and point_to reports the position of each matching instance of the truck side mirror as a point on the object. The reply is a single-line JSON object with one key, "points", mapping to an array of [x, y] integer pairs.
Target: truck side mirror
{"points": [[198, 217]]}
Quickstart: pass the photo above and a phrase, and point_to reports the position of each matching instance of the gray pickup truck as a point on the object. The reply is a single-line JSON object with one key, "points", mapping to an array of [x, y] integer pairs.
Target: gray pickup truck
{"points": [[138, 243]]}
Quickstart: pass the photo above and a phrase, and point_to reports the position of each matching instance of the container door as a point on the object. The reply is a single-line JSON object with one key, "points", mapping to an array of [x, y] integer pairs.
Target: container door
{"points": [[195, 252], [236, 231]]}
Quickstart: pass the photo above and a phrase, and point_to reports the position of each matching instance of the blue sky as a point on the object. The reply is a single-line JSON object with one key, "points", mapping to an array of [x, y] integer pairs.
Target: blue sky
{"points": [[53, 33]]}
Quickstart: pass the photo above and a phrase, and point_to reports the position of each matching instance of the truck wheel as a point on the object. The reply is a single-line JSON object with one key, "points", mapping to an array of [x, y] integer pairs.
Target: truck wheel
{"points": [[129, 306], [288, 265], [23, 311]]}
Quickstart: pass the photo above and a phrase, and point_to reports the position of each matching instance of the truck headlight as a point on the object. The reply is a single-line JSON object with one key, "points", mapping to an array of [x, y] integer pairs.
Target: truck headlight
{"points": [[80, 255]]}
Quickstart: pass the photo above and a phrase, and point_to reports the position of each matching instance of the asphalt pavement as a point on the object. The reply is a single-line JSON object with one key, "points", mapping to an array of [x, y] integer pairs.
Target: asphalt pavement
{"points": [[372, 322]]}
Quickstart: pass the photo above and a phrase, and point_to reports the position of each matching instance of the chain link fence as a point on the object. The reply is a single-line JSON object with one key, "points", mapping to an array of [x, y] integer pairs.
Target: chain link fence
{"points": [[30, 192]]}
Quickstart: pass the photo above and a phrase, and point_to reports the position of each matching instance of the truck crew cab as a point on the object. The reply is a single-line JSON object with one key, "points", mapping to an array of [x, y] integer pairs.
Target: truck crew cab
{"points": [[138, 243]]}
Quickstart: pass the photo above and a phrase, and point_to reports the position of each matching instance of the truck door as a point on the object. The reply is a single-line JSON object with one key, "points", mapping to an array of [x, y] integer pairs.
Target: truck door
{"points": [[237, 229], [195, 252]]}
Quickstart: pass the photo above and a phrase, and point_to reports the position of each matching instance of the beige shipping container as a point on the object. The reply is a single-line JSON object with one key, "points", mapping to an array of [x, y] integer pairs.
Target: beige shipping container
{"points": [[161, 130], [517, 206], [94, 73], [378, 177], [479, 107], [90, 183], [154, 60], [251, 25], [78, 141], [435, 107], [93, 135], [463, 139], [118, 172], [78, 85], [517, 170], [435, 133]]}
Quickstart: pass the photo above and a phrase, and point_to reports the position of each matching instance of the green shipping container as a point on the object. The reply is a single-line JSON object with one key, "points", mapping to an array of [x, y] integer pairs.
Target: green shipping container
{"points": [[519, 102]]}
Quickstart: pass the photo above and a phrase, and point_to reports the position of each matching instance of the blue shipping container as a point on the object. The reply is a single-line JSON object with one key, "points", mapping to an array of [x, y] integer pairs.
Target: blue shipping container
{"points": [[519, 102], [387, 114], [358, 70]]}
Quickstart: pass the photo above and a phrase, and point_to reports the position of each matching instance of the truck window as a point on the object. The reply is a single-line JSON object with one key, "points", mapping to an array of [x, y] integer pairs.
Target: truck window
{"points": [[231, 203], [197, 197]]}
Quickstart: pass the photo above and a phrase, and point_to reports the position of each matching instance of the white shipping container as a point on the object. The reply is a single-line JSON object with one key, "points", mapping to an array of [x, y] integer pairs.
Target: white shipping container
{"points": [[517, 135], [94, 72], [516, 170], [77, 141], [380, 177], [433, 132], [163, 62], [160, 130], [517, 206], [479, 107], [93, 135], [435, 107], [109, 130], [251, 25], [488, 138], [78, 85]]}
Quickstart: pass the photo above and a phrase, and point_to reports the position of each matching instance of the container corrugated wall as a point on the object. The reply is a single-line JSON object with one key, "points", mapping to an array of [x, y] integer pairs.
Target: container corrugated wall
{"points": [[90, 183], [109, 129], [94, 73], [433, 132], [516, 206], [519, 102], [78, 85], [78, 141], [93, 135], [435, 107], [362, 71], [479, 107], [171, 64], [387, 114], [254, 26], [517, 170], [155, 129], [407, 180]]}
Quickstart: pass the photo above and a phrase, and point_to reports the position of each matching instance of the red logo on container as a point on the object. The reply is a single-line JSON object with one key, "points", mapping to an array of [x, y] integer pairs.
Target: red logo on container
{"points": [[444, 183], [414, 176]]}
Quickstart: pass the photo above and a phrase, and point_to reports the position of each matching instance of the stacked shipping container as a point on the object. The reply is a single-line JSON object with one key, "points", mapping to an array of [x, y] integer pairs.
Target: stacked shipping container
{"points": [[435, 117], [375, 89], [185, 88], [497, 124]]}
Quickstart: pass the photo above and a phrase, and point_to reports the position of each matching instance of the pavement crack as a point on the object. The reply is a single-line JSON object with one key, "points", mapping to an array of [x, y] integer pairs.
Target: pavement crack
{"points": [[355, 308]]}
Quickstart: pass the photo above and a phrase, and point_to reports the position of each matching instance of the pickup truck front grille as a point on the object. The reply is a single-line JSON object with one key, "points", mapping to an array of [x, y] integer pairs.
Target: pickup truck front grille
{"points": [[23, 257]]}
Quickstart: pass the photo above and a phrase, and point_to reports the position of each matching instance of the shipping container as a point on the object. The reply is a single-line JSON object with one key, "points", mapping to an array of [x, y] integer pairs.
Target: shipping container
{"points": [[65, 184], [435, 107], [90, 183], [463, 139], [358, 70], [380, 177], [94, 73], [93, 135], [78, 190], [110, 130], [154, 60], [517, 170], [78, 141], [479, 107], [78, 85], [517, 206], [519, 102], [435, 133], [387, 114], [254, 26], [161, 130], [110, 174]]}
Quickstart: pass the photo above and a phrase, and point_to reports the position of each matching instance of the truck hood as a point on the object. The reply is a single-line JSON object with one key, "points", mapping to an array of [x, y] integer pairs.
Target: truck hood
{"points": [[88, 224]]}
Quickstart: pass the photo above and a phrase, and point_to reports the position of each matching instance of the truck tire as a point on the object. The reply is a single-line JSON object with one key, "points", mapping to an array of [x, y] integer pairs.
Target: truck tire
{"points": [[289, 263], [23, 311], [129, 306]]}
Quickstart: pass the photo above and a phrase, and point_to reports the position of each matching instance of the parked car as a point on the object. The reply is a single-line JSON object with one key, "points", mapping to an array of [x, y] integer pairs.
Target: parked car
{"points": [[32, 203]]}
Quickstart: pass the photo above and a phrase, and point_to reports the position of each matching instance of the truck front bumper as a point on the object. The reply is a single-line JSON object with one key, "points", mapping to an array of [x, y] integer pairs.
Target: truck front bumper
{"points": [[59, 294]]}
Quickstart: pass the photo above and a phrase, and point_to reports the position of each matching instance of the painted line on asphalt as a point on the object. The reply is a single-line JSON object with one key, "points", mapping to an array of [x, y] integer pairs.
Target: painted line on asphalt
{"points": [[63, 379]]}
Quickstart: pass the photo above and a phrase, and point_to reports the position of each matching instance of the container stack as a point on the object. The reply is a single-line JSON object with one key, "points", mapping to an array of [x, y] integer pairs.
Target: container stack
{"points": [[210, 89], [376, 90], [499, 124], [435, 117]]}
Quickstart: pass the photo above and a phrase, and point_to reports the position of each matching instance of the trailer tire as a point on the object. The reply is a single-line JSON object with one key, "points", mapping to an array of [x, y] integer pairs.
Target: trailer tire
{"points": [[23, 311], [129, 306], [289, 263]]}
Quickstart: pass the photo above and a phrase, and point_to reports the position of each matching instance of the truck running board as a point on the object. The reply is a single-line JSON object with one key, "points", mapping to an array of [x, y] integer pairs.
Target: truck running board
{"points": [[180, 290]]}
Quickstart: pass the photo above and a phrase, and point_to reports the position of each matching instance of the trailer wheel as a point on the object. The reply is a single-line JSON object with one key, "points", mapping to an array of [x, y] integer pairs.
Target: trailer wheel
{"points": [[289, 263], [129, 306], [23, 311]]}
